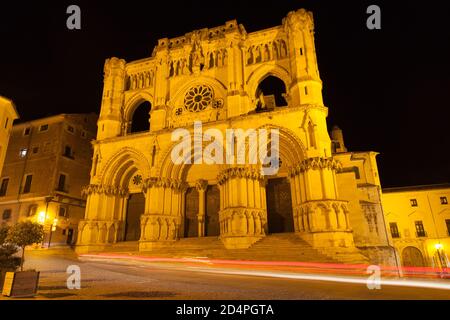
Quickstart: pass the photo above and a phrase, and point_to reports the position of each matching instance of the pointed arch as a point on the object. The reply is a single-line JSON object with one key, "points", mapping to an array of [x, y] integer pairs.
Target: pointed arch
{"points": [[132, 102], [120, 167], [265, 70], [179, 171], [290, 148]]}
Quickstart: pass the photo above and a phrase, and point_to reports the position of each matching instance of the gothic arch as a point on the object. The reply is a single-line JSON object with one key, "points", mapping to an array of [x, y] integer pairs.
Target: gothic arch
{"points": [[291, 149], [178, 171], [262, 72], [133, 102], [121, 166]]}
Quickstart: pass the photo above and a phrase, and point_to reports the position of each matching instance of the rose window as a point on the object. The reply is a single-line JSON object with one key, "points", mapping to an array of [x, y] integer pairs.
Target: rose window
{"points": [[198, 98], [137, 180]]}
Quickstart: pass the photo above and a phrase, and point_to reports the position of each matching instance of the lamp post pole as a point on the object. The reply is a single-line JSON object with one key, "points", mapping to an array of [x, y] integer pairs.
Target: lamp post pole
{"points": [[47, 201], [45, 217], [50, 236]]}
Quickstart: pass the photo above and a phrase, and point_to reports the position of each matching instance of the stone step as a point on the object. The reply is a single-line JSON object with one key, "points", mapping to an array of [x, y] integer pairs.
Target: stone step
{"points": [[274, 247]]}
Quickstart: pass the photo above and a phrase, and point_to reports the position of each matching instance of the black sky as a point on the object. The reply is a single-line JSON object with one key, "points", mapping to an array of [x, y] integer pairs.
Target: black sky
{"points": [[388, 89]]}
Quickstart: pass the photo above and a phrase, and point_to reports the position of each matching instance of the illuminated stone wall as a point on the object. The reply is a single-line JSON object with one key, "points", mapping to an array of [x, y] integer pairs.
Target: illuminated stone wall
{"points": [[213, 76]]}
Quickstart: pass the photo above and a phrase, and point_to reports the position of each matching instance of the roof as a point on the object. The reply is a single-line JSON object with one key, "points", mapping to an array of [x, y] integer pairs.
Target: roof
{"points": [[9, 102], [417, 188]]}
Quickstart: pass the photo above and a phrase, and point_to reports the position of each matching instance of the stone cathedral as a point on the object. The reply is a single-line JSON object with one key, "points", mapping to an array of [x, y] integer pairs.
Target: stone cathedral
{"points": [[222, 76]]}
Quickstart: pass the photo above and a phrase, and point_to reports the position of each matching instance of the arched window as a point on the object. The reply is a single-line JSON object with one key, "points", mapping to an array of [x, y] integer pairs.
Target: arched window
{"points": [[270, 94], [141, 118], [312, 136]]}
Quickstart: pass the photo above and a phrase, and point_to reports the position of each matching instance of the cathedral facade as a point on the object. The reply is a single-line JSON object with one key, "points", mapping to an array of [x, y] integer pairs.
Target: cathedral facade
{"points": [[216, 78]]}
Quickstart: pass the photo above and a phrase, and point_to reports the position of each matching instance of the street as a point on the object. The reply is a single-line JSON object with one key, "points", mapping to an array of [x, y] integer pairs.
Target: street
{"points": [[115, 279]]}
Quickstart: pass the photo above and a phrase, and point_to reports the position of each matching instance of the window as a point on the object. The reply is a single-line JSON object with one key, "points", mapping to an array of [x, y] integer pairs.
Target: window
{"points": [[32, 210], [4, 187], [62, 212], [447, 222], [70, 129], [68, 152], [420, 231], [27, 131], [6, 214], [35, 150], [301, 51], [6, 122], [62, 182], [47, 147], [23, 152], [64, 232], [413, 202], [394, 230], [44, 127], [444, 200], [27, 186], [83, 134]]}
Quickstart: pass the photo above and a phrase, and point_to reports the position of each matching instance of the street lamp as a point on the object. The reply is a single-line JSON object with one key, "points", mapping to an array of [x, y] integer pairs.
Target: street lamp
{"points": [[42, 217], [53, 228], [442, 262]]}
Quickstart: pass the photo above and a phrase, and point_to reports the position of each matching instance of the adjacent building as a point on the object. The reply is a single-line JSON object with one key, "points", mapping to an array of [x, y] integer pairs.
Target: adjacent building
{"points": [[8, 114], [47, 162], [418, 221]]}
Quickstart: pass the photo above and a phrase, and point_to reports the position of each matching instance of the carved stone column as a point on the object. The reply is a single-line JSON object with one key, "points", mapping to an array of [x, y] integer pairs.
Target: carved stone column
{"points": [[161, 221], [201, 186], [243, 216], [102, 222], [319, 216]]}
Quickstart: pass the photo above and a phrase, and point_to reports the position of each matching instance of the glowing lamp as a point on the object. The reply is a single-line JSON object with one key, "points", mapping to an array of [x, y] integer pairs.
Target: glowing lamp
{"points": [[55, 221], [41, 217], [438, 246]]}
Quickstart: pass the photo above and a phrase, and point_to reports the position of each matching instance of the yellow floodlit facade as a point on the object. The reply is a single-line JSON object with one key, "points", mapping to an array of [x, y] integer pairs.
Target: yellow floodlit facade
{"points": [[215, 77], [8, 114], [418, 220]]}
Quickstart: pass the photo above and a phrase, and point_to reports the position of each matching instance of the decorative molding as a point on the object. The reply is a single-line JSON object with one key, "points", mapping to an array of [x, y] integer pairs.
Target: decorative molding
{"points": [[239, 172], [104, 189], [315, 164], [155, 182], [201, 185]]}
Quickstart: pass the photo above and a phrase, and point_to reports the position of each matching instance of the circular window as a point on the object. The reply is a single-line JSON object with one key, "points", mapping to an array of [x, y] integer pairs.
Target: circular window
{"points": [[198, 98], [137, 179]]}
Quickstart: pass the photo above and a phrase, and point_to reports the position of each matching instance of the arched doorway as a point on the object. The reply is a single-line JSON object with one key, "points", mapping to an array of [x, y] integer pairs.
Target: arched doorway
{"points": [[212, 211], [135, 208], [140, 121], [412, 257], [279, 206]]}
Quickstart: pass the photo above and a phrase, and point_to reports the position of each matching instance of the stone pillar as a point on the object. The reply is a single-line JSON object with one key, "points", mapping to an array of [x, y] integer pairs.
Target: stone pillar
{"points": [[201, 186], [162, 218], [319, 216], [243, 216], [101, 225]]}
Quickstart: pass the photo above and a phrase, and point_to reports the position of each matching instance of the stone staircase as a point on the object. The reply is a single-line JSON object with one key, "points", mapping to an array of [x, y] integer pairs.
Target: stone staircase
{"points": [[274, 247], [125, 246]]}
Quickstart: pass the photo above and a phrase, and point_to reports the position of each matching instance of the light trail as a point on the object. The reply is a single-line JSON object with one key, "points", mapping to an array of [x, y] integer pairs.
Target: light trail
{"points": [[294, 266]]}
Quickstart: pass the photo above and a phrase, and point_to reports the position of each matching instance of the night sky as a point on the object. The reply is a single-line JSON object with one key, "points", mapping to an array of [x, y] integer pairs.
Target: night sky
{"points": [[388, 89]]}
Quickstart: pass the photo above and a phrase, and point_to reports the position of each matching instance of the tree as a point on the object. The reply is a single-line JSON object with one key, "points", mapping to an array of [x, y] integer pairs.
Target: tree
{"points": [[23, 234], [8, 262]]}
